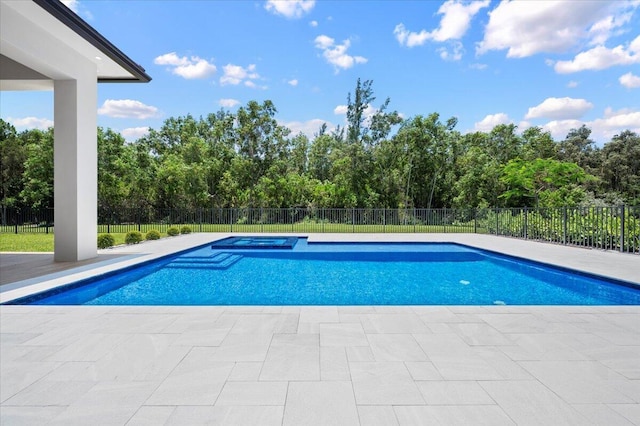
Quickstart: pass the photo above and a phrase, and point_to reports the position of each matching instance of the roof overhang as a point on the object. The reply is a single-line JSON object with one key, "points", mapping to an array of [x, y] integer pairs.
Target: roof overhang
{"points": [[35, 33]]}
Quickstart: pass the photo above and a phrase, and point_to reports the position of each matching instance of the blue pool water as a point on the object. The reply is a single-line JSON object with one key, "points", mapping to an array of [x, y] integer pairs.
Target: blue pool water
{"points": [[342, 274]]}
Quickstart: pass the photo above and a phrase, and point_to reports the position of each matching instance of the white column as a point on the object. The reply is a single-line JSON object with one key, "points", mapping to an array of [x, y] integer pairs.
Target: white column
{"points": [[75, 167]]}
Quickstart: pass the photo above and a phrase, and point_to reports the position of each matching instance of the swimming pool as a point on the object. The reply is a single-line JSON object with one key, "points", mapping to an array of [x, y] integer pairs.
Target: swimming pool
{"points": [[340, 274]]}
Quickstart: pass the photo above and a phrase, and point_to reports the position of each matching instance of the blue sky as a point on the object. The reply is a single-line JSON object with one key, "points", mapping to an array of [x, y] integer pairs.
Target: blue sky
{"points": [[551, 64]]}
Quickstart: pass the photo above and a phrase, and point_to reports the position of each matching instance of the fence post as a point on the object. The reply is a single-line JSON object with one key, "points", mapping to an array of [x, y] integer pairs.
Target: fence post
{"points": [[353, 220], [384, 220], [497, 221], [622, 228], [526, 232], [475, 220], [564, 225], [200, 218], [138, 218], [231, 219]]}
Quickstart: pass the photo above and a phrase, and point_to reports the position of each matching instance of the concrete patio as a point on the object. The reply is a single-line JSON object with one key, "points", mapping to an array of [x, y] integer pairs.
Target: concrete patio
{"points": [[385, 365]]}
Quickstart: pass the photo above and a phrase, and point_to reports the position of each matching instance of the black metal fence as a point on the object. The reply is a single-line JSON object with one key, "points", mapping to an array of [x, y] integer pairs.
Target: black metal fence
{"points": [[607, 228]]}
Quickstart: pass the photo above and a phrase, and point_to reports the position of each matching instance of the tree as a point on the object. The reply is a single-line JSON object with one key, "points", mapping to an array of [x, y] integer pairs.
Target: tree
{"points": [[38, 168], [431, 150], [546, 182], [13, 155], [621, 166]]}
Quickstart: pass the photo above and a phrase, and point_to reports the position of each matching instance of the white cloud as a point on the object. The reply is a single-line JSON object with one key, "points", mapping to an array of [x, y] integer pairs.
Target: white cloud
{"points": [[630, 81], [71, 4], [308, 128], [189, 68], [336, 54], [293, 82], [560, 128], [228, 103], [603, 129], [604, 28], [478, 66], [78, 8], [31, 123], [490, 121], [127, 108], [601, 57], [456, 18], [236, 74], [560, 109], [572, 84], [133, 133], [455, 54], [525, 28], [313, 23], [340, 110], [292, 9]]}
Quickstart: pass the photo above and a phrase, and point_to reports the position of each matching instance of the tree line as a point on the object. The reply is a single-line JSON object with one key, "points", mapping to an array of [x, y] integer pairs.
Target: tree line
{"points": [[248, 159]]}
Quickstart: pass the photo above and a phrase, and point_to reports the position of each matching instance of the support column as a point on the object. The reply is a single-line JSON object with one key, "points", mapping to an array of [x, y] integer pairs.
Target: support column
{"points": [[75, 167]]}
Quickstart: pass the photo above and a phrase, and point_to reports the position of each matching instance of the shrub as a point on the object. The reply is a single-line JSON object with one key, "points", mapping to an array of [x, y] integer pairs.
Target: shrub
{"points": [[173, 231], [185, 230], [152, 235], [133, 237], [106, 241]]}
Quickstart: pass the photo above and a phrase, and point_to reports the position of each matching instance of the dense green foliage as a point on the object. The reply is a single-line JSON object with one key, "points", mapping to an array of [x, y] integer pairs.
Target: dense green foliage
{"points": [[106, 241], [249, 159], [133, 237], [154, 234], [185, 230], [173, 231]]}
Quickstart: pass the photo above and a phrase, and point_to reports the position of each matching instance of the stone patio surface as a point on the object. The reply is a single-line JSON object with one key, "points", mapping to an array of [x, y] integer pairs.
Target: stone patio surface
{"points": [[328, 365]]}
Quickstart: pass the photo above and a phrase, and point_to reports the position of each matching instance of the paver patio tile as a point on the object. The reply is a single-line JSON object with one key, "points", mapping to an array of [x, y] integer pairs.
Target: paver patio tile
{"points": [[151, 415], [423, 370], [579, 382], [360, 354], [16, 376], [481, 334], [320, 403], [377, 415], [265, 323], [242, 348], [395, 347], [384, 383], [253, 393], [50, 393], [111, 403], [531, 403], [88, 347], [197, 380], [245, 372], [28, 416], [139, 357], [542, 347], [630, 412], [452, 415], [342, 334], [292, 357], [454, 393], [407, 323], [227, 416], [601, 414], [334, 364]]}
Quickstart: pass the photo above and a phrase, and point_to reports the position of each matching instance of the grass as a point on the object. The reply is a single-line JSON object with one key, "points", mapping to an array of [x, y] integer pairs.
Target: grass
{"points": [[42, 242]]}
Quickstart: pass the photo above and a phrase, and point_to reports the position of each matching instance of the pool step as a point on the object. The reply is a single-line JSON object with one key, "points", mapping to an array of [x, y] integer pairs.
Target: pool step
{"points": [[216, 261]]}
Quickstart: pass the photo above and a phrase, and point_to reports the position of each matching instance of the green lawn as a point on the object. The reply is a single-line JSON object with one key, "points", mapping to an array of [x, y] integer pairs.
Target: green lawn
{"points": [[39, 242]]}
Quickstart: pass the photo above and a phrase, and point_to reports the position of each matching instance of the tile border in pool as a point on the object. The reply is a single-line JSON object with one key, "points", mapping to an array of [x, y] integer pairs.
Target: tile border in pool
{"points": [[162, 257]]}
